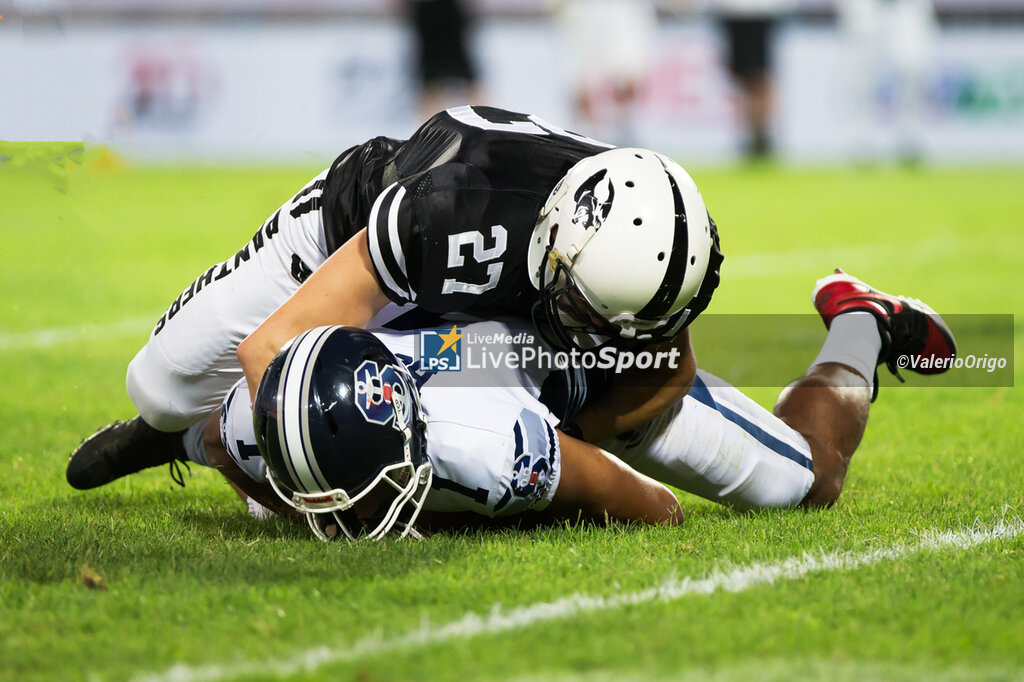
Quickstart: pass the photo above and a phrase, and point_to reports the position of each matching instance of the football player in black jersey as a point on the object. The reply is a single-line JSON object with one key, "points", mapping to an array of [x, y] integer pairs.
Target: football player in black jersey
{"points": [[482, 212]]}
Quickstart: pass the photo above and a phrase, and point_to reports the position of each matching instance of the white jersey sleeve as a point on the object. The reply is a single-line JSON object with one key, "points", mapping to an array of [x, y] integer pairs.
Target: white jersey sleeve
{"points": [[507, 467], [389, 230], [237, 434]]}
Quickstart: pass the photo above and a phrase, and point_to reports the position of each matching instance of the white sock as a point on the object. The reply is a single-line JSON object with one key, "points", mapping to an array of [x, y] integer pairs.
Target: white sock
{"points": [[192, 439], [257, 510], [853, 340]]}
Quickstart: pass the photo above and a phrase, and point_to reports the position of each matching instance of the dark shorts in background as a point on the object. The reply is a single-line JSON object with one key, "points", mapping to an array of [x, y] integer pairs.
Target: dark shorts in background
{"points": [[441, 28], [748, 44]]}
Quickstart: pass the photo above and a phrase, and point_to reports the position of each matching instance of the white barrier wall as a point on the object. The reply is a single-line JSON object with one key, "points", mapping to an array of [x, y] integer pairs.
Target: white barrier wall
{"points": [[973, 107], [201, 90], [248, 90]]}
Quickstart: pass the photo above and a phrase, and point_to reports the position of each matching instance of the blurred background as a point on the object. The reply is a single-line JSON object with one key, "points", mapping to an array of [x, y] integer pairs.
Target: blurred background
{"points": [[708, 81]]}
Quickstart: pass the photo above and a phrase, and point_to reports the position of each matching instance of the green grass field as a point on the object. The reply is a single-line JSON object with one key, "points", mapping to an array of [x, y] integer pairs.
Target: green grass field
{"points": [[134, 579]]}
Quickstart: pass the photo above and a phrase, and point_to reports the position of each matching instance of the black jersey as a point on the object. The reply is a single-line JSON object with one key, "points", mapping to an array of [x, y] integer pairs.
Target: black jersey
{"points": [[451, 210]]}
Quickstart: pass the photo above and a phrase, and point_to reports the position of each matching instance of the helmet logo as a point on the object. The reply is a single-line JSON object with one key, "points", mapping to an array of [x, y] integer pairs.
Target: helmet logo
{"points": [[594, 200], [381, 395]]}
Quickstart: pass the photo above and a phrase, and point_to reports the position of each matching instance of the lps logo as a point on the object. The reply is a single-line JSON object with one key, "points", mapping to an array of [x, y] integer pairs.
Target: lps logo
{"points": [[381, 395], [440, 352]]}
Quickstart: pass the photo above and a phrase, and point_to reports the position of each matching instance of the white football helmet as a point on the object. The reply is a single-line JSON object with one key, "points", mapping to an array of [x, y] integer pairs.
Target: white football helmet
{"points": [[624, 249]]}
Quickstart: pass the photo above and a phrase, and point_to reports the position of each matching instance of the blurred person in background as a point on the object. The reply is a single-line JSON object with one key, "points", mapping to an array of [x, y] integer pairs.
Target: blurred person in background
{"points": [[890, 46], [608, 46], [749, 27], [445, 67]]}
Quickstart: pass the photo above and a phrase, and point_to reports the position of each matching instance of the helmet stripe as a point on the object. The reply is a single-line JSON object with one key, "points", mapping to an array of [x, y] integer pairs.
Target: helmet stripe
{"points": [[293, 412], [672, 282], [307, 383], [280, 406]]}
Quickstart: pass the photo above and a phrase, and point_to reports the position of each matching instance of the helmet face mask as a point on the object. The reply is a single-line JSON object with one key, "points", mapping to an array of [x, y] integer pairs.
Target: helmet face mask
{"points": [[407, 488], [623, 252], [339, 423], [564, 317]]}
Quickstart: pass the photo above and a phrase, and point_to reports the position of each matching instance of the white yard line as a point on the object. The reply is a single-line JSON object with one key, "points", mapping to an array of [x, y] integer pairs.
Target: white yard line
{"points": [[498, 619], [55, 336]]}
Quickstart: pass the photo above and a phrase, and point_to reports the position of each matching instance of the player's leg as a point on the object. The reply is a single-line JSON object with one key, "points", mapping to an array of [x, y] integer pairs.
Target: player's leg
{"points": [[185, 369], [229, 446], [225, 441], [188, 365], [867, 328], [100, 458], [721, 445], [828, 406], [749, 46]]}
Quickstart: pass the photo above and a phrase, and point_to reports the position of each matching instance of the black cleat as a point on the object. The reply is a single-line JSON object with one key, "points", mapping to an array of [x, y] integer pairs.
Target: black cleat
{"points": [[121, 449]]}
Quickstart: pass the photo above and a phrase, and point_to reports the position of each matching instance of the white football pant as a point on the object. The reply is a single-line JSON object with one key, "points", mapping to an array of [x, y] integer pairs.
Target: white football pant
{"points": [[719, 444], [188, 365]]}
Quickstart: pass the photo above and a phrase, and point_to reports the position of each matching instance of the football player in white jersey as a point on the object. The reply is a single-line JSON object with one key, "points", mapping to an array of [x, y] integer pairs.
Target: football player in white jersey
{"points": [[354, 440], [343, 423], [482, 212]]}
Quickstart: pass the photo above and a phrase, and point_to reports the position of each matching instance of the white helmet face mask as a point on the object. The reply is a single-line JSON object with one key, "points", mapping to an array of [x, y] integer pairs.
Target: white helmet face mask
{"points": [[335, 508], [624, 250]]}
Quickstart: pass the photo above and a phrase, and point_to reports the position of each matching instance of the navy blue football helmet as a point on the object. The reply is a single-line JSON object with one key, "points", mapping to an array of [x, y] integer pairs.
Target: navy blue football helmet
{"points": [[338, 422]]}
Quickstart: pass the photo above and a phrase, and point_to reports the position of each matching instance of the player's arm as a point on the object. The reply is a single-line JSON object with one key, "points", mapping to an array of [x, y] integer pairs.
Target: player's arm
{"points": [[244, 486], [640, 395], [344, 290], [597, 483]]}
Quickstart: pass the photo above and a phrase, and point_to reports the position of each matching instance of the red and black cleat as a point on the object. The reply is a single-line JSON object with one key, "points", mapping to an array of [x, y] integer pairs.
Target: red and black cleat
{"points": [[913, 335]]}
